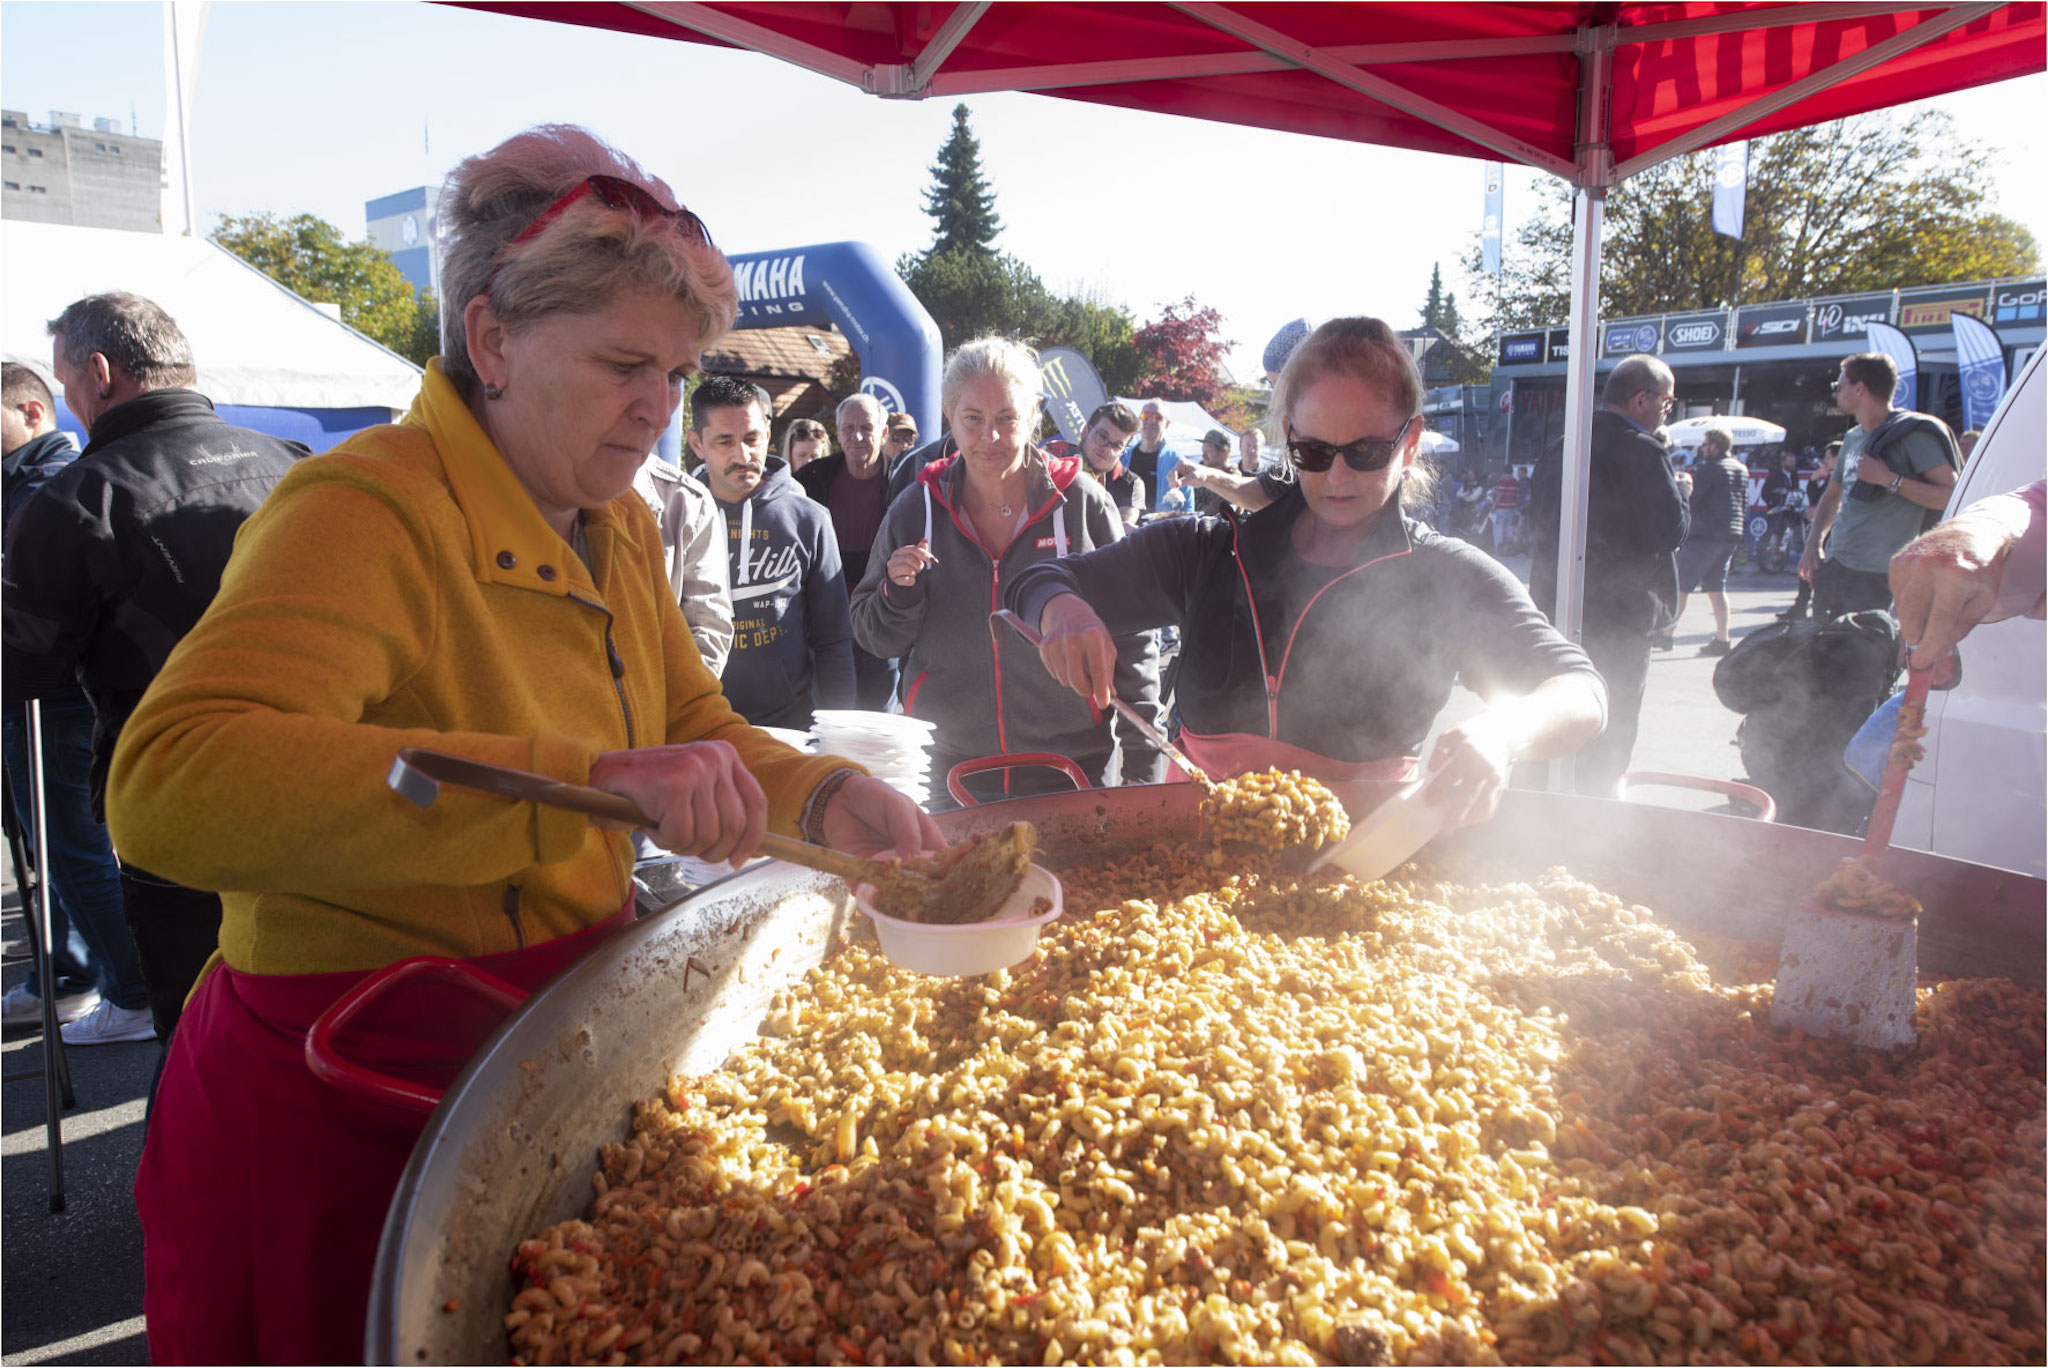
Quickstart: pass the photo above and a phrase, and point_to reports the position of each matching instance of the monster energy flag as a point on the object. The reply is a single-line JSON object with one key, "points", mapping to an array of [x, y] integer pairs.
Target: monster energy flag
{"points": [[1885, 338], [1980, 365], [1072, 390], [1731, 183], [1489, 227]]}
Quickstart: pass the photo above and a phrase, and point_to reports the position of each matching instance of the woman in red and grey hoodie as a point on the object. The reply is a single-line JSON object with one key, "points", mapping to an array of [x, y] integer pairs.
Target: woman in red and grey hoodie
{"points": [[949, 546], [1323, 633]]}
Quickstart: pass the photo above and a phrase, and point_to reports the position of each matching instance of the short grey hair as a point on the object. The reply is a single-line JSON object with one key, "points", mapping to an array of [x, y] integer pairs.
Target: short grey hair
{"points": [[136, 336], [580, 262], [863, 400], [1015, 364], [1638, 374]]}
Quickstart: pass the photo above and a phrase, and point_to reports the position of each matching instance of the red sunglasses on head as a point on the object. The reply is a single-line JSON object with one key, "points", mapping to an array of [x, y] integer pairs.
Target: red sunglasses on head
{"points": [[615, 193]]}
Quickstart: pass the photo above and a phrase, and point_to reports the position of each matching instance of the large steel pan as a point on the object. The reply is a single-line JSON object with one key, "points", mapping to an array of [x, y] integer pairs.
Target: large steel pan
{"points": [[513, 1145]]}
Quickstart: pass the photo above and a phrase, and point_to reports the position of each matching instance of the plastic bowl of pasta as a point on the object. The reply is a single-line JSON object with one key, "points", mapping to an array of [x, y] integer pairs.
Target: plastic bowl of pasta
{"points": [[964, 949]]}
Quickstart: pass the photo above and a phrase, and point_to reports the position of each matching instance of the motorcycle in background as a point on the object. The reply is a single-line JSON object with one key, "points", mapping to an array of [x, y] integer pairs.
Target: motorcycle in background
{"points": [[1784, 539]]}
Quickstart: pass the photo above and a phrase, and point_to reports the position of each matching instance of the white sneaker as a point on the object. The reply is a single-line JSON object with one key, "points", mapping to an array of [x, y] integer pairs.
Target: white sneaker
{"points": [[107, 1024], [20, 1007]]}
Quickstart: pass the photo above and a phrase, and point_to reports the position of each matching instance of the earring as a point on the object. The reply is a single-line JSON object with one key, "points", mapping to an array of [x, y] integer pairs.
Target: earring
{"points": [[491, 391]]}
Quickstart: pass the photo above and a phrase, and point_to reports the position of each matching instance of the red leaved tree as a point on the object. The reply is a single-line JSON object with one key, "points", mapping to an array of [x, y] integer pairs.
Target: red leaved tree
{"points": [[1182, 355]]}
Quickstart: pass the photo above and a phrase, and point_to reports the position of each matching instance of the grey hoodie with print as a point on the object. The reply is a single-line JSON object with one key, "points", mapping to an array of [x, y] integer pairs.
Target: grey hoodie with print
{"points": [[990, 694]]}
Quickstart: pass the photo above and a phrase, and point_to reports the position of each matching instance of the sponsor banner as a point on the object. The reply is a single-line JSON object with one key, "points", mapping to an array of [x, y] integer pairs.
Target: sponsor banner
{"points": [[1072, 389], [1489, 225], [1521, 349], [1696, 332], [1771, 325], [1626, 339], [1560, 344], [1731, 184], [1928, 311], [1849, 318], [1895, 344], [1980, 364], [2019, 304]]}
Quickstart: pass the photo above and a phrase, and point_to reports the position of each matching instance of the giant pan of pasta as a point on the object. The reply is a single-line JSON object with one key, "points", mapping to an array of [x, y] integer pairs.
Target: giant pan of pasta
{"points": [[1519, 1103]]}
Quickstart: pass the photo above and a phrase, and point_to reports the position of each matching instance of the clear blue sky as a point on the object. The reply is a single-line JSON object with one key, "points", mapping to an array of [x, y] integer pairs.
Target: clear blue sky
{"points": [[319, 107]]}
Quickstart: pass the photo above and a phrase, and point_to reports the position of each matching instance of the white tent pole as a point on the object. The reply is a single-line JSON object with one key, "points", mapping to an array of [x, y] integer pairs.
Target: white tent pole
{"points": [[1596, 171]]}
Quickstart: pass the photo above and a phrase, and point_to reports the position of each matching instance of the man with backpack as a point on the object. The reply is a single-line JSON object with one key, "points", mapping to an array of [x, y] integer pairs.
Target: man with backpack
{"points": [[1893, 479]]}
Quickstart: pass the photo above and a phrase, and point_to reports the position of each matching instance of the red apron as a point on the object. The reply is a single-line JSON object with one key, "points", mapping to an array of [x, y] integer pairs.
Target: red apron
{"points": [[263, 1190], [1228, 753]]}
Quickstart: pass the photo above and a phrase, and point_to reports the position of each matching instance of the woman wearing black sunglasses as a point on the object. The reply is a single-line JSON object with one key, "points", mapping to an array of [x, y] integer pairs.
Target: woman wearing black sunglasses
{"points": [[480, 579], [1323, 632]]}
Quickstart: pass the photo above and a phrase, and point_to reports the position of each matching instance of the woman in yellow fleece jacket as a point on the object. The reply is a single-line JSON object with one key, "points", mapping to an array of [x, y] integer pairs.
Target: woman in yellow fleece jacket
{"points": [[480, 579]]}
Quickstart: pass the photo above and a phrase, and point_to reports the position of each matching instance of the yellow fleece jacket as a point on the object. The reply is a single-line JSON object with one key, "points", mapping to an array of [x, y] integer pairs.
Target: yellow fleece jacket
{"points": [[404, 590]]}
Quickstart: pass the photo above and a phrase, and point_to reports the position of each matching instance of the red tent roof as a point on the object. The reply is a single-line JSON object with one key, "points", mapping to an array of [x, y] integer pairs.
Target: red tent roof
{"points": [[1493, 80]]}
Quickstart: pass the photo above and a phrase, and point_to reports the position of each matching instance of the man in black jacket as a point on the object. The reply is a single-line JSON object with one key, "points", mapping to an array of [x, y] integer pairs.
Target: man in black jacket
{"points": [[117, 557], [1635, 520], [857, 487]]}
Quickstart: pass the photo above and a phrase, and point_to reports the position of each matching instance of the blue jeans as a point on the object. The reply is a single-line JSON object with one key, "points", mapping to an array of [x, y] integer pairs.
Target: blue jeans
{"points": [[88, 926]]}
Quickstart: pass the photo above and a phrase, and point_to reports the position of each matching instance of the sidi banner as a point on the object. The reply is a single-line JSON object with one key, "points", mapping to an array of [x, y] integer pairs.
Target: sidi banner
{"points": [[1770, 325]]}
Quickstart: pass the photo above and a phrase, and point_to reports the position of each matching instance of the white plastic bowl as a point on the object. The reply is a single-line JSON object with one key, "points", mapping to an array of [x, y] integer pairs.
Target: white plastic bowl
{"points": [[974, 947]]}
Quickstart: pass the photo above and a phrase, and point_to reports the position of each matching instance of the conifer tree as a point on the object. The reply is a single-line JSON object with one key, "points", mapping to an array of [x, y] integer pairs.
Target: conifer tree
{"points": [[960, 201], [1433, 307]]}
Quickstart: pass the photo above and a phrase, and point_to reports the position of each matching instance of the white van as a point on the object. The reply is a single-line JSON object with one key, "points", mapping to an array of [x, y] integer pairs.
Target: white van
{"points": [[1981, 792]]}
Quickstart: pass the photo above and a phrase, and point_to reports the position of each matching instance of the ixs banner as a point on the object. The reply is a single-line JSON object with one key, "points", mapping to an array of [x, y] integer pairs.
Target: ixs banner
{"points": [[1838, 319]]}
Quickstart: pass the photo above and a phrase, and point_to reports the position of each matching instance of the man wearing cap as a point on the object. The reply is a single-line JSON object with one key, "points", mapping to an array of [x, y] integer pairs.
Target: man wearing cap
{"points": [[902, 436]]}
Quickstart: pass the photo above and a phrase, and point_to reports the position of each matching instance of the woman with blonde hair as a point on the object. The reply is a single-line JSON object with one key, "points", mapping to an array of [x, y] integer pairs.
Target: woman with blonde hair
{"points": [[481, 579], [948, 546], [1323, 632]]}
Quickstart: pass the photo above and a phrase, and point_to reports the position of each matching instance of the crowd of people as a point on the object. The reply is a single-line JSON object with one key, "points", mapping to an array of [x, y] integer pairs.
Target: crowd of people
{"points": [[229, 640]]}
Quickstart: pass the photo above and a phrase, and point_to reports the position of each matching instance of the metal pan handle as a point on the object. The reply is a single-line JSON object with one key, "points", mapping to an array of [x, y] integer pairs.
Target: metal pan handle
{"points": [[1002, 762], [323, 1051], [1766, 807]]}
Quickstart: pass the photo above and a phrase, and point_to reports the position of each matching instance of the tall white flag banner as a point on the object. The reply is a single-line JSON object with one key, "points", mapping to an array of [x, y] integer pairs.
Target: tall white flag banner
{"points": [[184, 29], [1731, 187], [1489, 227], [1883, 337], [1980, 365]]}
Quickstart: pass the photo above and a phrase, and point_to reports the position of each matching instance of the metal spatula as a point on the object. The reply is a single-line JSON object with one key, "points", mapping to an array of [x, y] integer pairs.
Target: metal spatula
{"points": [[1843, 975]]}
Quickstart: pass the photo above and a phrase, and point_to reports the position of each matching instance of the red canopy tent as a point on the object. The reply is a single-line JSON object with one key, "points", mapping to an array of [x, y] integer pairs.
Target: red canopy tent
{"points": [[1593, 93]]}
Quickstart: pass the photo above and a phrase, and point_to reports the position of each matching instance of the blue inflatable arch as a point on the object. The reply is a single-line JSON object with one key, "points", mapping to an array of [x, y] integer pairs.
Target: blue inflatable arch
{"points": [[848, 285]]}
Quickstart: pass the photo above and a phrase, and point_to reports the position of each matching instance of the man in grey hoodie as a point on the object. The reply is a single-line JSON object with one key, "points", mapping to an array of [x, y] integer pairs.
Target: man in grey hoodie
{"points": [[792, 636]]}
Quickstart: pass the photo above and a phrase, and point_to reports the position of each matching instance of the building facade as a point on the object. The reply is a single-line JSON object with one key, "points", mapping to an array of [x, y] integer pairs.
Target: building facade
{"points": [[64, 172], [1774, 361]]}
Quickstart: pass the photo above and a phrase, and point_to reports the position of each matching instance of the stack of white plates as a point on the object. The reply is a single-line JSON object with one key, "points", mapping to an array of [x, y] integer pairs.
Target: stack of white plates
{"points": [[892, 747]]}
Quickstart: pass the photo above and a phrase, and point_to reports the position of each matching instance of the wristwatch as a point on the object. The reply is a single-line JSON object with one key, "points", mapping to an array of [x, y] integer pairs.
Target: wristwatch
{"points": [[1897, 480]]}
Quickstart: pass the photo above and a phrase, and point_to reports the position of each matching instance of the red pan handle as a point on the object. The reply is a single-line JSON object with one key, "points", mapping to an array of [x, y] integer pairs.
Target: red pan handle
{"points": [[1766, 807], [1001, 762], [323, 1052]]}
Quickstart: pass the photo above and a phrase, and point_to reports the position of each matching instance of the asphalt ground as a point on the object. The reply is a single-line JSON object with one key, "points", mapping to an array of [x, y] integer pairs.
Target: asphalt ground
{"points": [[71, 1282]]}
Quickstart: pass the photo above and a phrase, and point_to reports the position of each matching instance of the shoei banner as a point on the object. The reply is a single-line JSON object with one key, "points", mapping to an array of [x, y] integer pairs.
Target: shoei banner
{"points": [[1072, 390], [1883, 337], [1980, 365]]}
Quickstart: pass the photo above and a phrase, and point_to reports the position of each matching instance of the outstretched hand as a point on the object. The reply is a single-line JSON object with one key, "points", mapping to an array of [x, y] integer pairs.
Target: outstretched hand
{"points": [[1077, 648]]}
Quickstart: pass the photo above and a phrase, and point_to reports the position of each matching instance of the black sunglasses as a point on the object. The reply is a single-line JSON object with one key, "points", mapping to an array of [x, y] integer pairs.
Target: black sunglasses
{"points": [[1365, 455], [615, 193]]}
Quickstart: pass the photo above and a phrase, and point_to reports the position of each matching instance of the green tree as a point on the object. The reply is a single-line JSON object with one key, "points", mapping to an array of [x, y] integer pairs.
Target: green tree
{"points": [[962, 206], [1869, 203], [1433, 306], [973, 294], [308, 256], [1101, 331]]}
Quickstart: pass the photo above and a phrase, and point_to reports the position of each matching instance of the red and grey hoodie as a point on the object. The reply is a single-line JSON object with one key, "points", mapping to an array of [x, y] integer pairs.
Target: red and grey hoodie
{"points": [[989, 694]]}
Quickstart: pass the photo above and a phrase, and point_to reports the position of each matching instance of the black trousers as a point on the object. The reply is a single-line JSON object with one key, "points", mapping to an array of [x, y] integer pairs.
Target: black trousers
{"points": [[1838, 590], [874, 681], [1623, 660], [176, 930]]}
